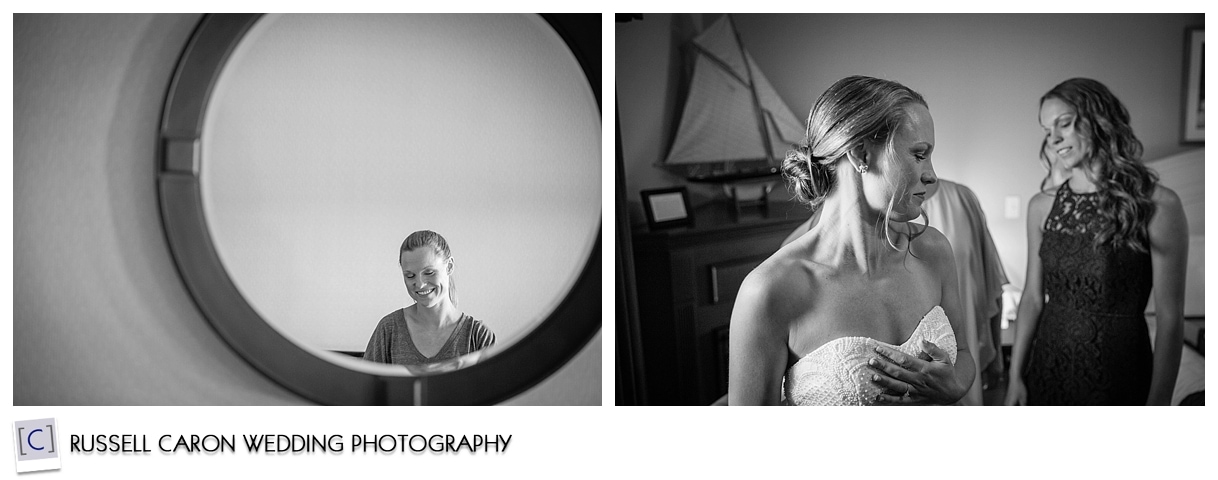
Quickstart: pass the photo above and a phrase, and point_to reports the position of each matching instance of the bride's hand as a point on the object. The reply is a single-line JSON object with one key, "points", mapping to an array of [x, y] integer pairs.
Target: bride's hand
{"points": [[910, 380]]}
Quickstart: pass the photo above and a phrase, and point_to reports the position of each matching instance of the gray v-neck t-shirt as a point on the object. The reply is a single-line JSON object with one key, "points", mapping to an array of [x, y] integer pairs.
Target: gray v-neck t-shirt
{"points": [[391, 342]]}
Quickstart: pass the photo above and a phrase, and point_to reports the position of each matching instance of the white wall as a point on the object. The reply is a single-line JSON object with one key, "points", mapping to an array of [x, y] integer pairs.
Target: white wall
{"points": [[100, 316], [330, 138], [981, 74]]}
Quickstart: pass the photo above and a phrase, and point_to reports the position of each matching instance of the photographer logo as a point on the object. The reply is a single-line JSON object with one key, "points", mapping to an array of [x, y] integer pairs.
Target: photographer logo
{"points": [[37, 445]]}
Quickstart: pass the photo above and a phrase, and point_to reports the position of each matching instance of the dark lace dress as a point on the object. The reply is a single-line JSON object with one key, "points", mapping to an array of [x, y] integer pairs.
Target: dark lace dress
{"points": [[1091, 345]]}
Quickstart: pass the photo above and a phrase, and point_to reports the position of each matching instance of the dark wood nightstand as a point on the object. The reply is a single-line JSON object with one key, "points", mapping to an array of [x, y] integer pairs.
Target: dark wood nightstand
{"points": [[687, 279]]}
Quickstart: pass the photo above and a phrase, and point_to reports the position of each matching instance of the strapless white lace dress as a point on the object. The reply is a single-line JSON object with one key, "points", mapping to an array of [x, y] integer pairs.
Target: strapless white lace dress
{"points": [[837, 372]]}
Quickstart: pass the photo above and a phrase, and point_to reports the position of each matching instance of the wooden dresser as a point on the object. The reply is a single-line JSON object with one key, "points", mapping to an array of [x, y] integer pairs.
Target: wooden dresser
{"points": [[687, 279]]}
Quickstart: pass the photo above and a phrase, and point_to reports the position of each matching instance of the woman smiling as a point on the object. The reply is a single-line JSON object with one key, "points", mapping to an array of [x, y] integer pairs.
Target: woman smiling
{"points": [[1098, 245], [432, 330]]}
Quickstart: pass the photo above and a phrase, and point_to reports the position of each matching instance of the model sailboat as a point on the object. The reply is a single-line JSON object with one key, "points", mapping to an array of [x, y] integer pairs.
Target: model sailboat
{"points": [[733, 126]]}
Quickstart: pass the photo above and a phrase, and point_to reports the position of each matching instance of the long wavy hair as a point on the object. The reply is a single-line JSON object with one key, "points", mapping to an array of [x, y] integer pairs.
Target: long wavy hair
{"points": [[855, 111], [432, 240], [1124, 185]]}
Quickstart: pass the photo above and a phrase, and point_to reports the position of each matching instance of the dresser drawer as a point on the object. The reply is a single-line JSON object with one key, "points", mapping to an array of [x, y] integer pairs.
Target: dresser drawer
{"points": [[688, 280]]}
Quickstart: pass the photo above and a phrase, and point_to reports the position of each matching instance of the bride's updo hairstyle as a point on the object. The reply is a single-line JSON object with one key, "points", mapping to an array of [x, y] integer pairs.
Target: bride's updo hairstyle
{"points": [[855, 111]]}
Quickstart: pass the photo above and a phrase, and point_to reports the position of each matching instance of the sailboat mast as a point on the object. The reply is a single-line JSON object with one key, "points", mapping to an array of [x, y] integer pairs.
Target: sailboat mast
{"points": [[748, 69]]}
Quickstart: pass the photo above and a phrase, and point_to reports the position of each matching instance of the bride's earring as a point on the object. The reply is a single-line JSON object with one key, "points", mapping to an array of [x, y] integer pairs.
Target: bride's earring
{"points": [[858, 159]]}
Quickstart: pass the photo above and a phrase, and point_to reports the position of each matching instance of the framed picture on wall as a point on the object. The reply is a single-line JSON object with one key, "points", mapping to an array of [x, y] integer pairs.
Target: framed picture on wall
{"points": [[667, 207], [1193, 128]]}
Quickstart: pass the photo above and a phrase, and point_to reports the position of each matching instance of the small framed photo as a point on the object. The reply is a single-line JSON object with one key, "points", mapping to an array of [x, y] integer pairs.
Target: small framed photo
{"points": [[1193, 128], [667, 207]]}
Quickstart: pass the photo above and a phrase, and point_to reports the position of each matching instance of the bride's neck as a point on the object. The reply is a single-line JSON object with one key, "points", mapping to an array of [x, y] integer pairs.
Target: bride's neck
{"points": [[851, 233]]}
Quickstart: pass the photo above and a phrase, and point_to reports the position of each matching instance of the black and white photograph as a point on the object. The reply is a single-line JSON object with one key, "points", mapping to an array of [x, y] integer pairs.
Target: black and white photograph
{"points": [[340, 209], [338, 242], [910, 209]]}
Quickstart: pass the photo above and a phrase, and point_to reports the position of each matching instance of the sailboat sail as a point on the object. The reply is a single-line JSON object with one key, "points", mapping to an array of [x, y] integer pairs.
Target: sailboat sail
{"points": [[732, 112]]}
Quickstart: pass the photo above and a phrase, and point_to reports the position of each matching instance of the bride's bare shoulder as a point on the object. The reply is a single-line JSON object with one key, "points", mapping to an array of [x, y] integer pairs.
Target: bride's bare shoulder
{"points": [[933, 248], [773, 289], [931, 242]]}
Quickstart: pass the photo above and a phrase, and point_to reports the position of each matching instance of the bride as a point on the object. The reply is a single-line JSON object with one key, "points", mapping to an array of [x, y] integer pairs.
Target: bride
{"points": [[862, 309]]}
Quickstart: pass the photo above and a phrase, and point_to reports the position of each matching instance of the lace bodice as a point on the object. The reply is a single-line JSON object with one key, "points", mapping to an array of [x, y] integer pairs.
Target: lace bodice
{"points": [[1105, 280], [837, 372]]}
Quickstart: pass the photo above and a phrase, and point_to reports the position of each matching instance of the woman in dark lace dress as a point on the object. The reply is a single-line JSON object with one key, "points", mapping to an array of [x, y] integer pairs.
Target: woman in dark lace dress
{"points": [[1097, 244]]}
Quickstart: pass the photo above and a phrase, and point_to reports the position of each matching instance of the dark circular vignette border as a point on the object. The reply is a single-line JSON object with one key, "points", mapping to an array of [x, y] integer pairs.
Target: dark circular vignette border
{"points": [[519, 367]]}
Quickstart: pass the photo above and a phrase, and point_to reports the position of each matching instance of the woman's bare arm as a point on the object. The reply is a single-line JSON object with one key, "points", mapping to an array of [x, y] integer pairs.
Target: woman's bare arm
{"points": [[757, 348], [1031, 301], [966, 368], [1168, 257]]}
